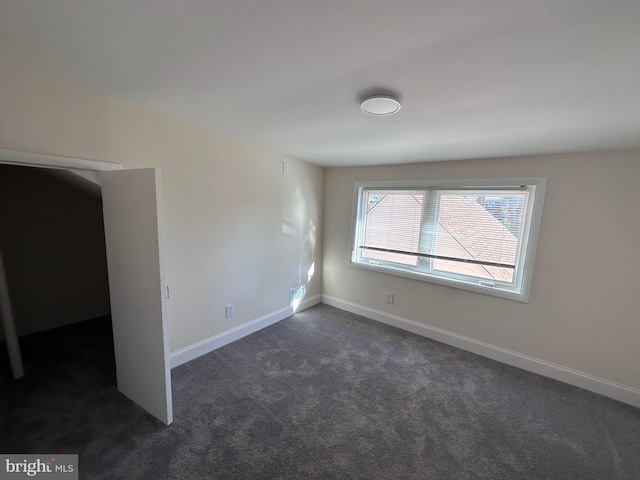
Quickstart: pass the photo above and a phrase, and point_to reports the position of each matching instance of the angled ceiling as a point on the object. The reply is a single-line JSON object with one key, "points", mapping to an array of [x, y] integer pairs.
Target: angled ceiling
{"points": [[476, 78]]}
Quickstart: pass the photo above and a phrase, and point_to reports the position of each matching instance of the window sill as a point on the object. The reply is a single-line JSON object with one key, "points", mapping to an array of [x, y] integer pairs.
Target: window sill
{"points": [[423, 277]]}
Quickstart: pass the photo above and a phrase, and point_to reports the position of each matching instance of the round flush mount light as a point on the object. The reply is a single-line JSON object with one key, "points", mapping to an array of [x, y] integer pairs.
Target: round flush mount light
{"points": [[380, 105]]}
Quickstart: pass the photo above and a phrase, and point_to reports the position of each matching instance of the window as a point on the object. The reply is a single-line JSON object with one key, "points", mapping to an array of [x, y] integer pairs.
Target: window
{"points": [[475, 235]]}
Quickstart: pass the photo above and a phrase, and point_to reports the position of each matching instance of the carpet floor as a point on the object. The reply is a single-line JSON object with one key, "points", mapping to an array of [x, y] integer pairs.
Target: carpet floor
{"points": [[324, 394]]}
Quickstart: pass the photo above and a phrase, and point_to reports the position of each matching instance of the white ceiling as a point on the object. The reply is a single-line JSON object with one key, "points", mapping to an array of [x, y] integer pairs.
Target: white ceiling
{"points": [[477, 78]]}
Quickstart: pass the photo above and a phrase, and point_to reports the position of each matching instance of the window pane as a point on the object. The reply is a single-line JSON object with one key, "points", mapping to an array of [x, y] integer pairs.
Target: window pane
{"points": [[484, 226], [392, 221], [473, 270], [409, 260]]}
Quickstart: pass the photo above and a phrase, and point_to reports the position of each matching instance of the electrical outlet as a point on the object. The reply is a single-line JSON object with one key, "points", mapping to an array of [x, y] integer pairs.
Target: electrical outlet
{"points": [[228, 310], [389, 297]]}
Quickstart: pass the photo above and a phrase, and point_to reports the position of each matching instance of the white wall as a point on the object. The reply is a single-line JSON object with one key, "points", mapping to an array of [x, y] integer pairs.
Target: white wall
{"points": [[584, 310], [224, 199]]}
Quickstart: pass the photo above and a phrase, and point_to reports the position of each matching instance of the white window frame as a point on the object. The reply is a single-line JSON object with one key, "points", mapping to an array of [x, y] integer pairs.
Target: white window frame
{"points": [[521, 288]]}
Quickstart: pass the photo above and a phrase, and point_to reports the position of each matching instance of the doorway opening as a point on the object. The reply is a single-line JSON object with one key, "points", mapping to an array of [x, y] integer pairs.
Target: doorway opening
{"points": [[53, 247], [133, 235]]}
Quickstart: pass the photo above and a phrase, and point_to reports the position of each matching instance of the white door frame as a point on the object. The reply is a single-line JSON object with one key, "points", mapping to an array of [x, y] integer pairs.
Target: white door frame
{"points": [[39, 160]]}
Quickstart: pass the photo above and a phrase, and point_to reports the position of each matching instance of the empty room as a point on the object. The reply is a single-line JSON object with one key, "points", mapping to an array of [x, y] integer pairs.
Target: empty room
{"points": [[350, 240]]}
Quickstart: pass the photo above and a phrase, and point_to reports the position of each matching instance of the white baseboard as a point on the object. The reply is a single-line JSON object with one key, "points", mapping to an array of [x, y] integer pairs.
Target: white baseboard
{"points": [[583, 380], [61, 320], [196, 350]]}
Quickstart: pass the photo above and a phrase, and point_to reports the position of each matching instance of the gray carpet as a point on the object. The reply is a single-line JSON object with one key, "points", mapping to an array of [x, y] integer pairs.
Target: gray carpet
{"points": [[322, 395]]}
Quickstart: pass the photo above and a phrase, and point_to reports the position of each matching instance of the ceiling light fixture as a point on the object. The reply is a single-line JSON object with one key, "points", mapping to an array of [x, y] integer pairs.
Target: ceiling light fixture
{"points": [[380, 105]]}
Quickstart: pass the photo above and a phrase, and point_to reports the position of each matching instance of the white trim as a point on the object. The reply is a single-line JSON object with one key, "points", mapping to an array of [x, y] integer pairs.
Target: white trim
{"points": [[28, 159], [622, 393], [203, 347], [471, 183]]}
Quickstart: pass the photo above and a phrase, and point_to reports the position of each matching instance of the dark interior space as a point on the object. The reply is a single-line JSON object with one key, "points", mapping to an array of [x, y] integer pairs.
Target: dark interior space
{"points": [[80, 354], [52, 243], [46, 352], [53, 247]]}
